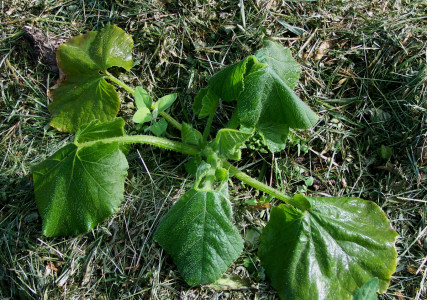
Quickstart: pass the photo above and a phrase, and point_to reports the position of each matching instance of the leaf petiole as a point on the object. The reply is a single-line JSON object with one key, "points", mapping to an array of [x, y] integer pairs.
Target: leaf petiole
{"points": [[263, 187], [146, 139]]}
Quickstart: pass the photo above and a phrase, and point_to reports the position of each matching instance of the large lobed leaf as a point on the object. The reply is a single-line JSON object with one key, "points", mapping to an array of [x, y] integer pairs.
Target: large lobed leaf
{"points": [[268, 102], [83, 94], [263, 87], [197, 232], [80, 186], [329, 250]]}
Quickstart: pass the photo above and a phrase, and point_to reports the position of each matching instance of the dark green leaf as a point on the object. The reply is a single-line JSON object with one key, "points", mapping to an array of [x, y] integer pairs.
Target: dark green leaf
{"points": [[268, 102], [329, 250], [142, 98], [191, 136], [368, 291], [192, 165], [159, 127], [197, 232], [142, 115], [75, 188], [229, 142], [229, 82], [165, 102], [82, 94]]}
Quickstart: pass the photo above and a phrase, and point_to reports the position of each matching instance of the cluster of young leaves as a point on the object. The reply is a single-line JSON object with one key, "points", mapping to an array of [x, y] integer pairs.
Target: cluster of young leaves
{"points": [[314, 248], [148, 111]]}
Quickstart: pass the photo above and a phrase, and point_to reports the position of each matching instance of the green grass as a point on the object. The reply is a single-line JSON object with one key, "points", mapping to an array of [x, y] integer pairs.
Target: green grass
{"points": [[370, 89]]}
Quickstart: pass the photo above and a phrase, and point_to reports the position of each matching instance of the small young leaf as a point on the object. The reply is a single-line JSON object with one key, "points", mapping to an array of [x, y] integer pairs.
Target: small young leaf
{"points": [[142, 98], [385, 152], [75, 188], [190, 136], [142, 115], [368, 291], [197, 232], [329, 250], [229, 142], [205, 103], [159, 128], [83, 94], [165, 102], [274, 135]]}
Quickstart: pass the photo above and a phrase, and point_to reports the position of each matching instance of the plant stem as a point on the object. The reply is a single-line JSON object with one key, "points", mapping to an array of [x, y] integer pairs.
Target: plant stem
{"points": [[262, 187], [147, 139], [165, 115], [208, 127]]}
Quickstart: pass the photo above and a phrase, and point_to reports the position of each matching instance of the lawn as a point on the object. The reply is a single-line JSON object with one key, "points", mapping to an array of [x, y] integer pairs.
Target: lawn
{"points": [[363, 72]]}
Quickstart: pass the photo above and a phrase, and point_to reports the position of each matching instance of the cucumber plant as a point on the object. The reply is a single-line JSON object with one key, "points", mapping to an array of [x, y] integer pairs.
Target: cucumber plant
{"points": [[311, 247]]}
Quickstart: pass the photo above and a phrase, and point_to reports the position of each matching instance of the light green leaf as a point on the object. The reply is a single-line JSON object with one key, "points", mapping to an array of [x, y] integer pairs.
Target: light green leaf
{"points": [[75, 188], [142, 115], [329, 250], [159, 128], [280, 60], [142, 98], [205, 103], [229, 142], [368, 291], [82, 93], [385, 152], [191, 136], [197, 232], [274, 135], [165, 102]]}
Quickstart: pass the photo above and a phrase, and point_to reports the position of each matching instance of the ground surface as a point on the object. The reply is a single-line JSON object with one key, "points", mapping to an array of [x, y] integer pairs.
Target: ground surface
{"points": [[363, 71]]}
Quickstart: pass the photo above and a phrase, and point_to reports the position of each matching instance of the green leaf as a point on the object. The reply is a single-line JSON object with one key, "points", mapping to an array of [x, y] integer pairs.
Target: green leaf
{"points": [[82, 93], [329, 250], [75, 188], [192, 165], [368, 291], [190, 136], [197, 232], [142, 98], [205, 103], [268, 102], [165, 102], [229, 142], [229, 82], [274, 135], [280, 60], [142, 115], [159, 128], [385, 152]]}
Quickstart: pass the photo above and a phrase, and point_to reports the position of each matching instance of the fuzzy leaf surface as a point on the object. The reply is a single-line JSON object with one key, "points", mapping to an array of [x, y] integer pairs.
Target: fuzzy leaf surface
{"points": [[229, 142], [190, 136], [197, 232], [329, 250], [82, 94], [80, 186], [268, 102]]}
